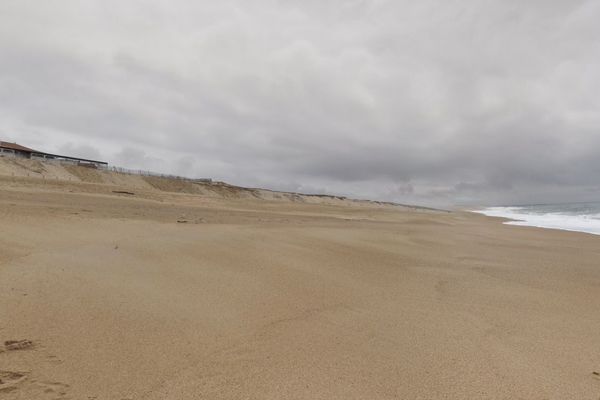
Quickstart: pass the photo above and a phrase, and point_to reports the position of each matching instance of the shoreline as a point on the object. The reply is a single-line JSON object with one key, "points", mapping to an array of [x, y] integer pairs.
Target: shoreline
{"points": [[555, 221]]}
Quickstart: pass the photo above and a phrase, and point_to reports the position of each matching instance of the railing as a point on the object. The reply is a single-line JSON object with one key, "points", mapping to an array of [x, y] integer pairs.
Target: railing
{"points": [[140, 172], [120, 170]]}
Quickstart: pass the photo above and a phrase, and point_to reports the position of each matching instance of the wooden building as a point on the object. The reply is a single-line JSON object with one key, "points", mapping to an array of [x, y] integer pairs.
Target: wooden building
{"points": [[16, 150]]}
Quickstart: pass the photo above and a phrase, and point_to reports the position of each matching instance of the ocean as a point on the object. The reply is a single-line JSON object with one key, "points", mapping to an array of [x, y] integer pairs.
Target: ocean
{"points": [[580, 217]]}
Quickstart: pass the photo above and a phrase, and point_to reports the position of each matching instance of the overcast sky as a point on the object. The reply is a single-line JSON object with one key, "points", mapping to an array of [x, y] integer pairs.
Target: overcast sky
{"points": [[433, 102]]}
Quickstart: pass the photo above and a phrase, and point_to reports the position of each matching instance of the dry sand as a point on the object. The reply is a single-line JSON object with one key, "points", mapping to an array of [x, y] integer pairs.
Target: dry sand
{"points": [[258, 299]]}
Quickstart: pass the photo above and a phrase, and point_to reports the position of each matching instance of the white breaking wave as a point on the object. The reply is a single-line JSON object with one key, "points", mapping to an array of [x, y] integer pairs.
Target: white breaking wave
{"points": [[589, 223]]}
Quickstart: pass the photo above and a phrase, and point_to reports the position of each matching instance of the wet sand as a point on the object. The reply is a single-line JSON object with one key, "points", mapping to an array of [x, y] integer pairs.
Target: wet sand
{"points": [[254, 299]]}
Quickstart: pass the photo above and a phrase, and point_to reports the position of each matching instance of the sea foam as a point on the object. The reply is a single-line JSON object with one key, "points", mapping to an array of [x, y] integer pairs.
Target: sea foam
{"points": [[532, 216]]}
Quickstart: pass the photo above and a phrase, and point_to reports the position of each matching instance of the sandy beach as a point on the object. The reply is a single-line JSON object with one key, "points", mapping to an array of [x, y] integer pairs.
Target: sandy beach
{"points": [[174, 294]]}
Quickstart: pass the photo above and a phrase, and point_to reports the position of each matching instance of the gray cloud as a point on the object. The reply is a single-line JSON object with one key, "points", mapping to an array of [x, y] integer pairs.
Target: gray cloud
{"points": [[433, 102]]}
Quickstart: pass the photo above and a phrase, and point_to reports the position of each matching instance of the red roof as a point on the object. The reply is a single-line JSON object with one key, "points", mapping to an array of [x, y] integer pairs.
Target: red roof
{"points": [[14, 146]]}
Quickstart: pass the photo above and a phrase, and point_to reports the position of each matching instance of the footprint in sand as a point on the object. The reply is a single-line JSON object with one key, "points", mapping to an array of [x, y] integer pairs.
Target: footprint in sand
{"points": [[10, 379], [18, 344], [53, 388]]}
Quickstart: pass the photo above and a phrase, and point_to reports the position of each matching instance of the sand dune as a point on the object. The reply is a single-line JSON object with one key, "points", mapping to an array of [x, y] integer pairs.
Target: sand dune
{"points": [[59, 175], [106, 295]]}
